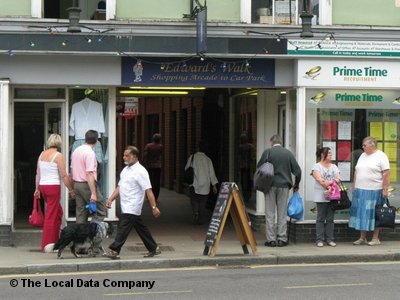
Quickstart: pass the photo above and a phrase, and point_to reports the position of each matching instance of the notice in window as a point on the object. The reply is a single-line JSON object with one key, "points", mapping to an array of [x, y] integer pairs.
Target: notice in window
{"points": [[344, 130], [375, 130], [329, 130], [331, 145], [393, 172], [390, 149], [344, 168], [390, 131], [344, 151]]}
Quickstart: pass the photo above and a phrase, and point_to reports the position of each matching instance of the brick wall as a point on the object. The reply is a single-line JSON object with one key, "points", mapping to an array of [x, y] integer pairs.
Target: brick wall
{"points": [[5, 235], [305, 233]]}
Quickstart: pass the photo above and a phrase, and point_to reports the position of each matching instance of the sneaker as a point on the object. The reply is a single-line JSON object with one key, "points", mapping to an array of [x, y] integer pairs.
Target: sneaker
{"points": [[153, 253], [270, 244], [111, 254], [332, 244], [320, 244], [49, 248], [374, 242], [360, 242]]}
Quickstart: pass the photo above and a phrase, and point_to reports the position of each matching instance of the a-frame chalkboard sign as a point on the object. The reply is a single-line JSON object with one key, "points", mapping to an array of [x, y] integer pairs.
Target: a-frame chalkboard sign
{"points": [[229, 201]]}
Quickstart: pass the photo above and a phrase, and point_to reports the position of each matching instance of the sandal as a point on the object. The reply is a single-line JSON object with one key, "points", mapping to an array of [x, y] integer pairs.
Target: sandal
{"points": [[153, 253]]}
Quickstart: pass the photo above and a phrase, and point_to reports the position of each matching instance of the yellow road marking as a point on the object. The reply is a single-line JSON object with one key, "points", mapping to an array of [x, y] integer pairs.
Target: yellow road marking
{"points": [[326, 264], [106, 272], [149, 293], [326, 285], [194, 269]]}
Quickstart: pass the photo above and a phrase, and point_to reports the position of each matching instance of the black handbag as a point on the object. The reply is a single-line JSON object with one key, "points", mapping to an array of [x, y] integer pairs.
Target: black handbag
{"points": [[344, 201], [188, 176], [385, 215]]}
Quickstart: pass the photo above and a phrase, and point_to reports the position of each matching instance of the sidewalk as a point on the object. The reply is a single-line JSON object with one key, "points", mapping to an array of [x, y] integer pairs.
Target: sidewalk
{"points": [[182, 245]]}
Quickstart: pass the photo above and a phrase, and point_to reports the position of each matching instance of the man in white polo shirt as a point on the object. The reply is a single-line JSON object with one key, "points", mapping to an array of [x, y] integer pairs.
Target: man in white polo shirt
{"points": [[134, 183]]}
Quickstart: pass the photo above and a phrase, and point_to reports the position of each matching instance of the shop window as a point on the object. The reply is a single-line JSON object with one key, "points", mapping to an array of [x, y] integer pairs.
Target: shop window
{"points": [[90, 9], [342, 129], [283, 12], [91, 104]]}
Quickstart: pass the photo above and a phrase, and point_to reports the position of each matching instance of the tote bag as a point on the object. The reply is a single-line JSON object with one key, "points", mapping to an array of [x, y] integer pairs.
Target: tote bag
{"points": [[344, 202], [36, 218], [385, 215]]}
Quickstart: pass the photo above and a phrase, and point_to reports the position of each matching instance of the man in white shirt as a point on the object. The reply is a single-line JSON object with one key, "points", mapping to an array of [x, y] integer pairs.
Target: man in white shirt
{"points": [[134, 183], [204, 175]]}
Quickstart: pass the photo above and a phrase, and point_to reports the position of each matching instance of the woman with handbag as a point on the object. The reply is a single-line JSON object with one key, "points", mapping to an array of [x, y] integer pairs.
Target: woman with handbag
{"points": [[324, 173], [49, 173], [370, 187]]}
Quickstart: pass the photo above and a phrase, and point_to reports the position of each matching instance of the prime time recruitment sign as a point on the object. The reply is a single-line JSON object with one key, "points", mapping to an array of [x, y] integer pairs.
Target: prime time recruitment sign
{"points": [[196, 72], [347, 73]]}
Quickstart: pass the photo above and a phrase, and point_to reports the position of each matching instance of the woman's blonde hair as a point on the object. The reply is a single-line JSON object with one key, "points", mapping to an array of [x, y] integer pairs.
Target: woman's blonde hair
{"points": [[54, 140]]}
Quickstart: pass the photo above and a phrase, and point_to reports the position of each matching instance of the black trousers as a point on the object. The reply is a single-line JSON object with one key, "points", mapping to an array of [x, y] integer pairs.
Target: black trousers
{"points": [[155, 179], [125, 225]]}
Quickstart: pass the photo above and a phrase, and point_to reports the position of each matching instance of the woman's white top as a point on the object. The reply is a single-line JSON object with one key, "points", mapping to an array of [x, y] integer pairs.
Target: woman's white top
{"points": [[326, 173], [49, 174], [369, 170]]}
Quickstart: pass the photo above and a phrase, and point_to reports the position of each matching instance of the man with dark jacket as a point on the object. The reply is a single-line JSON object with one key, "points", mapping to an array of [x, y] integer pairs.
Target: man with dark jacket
{"points": [[277, 198]]}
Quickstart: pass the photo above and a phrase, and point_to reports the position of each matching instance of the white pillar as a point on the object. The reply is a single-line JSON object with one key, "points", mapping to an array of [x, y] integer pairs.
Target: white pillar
{"points": [[301, 134], [245, 11], [112, 142], [37, 8], [6, 169], [111, 9], [325, 12]]}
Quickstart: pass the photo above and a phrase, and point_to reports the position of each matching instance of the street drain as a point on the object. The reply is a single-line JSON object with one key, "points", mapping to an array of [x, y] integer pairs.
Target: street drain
{"points": [[143, 248]]}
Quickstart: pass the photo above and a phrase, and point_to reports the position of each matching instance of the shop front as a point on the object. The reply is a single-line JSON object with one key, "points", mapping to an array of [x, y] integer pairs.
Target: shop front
{"points": [[345, 101], [37, 99], [41, 95]]}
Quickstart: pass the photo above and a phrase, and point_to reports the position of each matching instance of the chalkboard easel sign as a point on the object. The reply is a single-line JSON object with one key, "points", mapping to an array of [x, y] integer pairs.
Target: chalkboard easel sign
{"points": [[229, 201]]}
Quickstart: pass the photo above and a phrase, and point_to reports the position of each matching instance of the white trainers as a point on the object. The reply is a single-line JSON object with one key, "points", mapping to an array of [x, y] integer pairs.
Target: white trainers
{"points": [[360, 242], [374, 242], [320, 244], [49, 248], [332, 244]]}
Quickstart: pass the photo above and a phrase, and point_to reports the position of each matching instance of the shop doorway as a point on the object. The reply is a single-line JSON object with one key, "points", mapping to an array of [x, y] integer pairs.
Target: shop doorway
{"points": [[33, 123]]}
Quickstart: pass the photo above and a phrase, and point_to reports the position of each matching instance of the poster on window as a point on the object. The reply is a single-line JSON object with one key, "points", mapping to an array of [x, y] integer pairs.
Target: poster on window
{"points": [[344, 168], [332, 146], [390, 149], [344, 130], [390, 131], [329, 130], [375, 130], [344, 151]]}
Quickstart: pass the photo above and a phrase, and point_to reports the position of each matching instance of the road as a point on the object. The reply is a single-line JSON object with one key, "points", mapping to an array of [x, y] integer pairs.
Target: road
{"points": [[325, 281]]}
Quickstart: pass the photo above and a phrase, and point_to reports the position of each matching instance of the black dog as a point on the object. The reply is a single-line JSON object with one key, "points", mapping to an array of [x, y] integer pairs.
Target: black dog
{"points": [[80, 234]]}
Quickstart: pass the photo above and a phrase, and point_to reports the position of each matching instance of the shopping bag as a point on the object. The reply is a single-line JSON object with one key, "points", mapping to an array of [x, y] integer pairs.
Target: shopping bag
{"points": [[334, 194], [36, 218], [385, 215], [295, 206], [344, 202]]}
